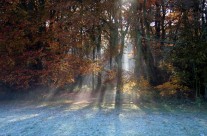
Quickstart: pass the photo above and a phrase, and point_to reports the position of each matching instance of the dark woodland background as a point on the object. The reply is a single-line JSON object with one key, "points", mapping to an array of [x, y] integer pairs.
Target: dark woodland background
{"points": [[156, 47]]}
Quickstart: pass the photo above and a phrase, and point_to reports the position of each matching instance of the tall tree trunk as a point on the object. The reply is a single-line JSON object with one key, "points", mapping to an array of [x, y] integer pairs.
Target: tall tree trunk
{"points": [[98, 46], [204, 20], [149, 60], [119, 56], [157, 20], [119, 84], [137, 42], [113, 43], [138, 52], [163, 23], [93, 73]]}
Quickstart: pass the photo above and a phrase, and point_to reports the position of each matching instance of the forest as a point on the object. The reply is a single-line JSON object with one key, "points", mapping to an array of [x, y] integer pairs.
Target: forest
{"points": [[120, 53], [125, 44]]}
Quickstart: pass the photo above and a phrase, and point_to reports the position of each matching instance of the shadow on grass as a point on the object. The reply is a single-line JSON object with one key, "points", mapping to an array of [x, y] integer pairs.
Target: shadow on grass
{"points": [[69, 118]]}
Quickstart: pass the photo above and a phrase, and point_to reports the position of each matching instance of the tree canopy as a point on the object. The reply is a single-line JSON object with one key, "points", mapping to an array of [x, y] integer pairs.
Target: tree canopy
{"points": [[56, 43]]}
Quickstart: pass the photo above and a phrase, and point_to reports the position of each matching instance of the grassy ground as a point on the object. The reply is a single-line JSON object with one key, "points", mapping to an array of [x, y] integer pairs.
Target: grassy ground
{"points": [[80, 114], [85, 117]]}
